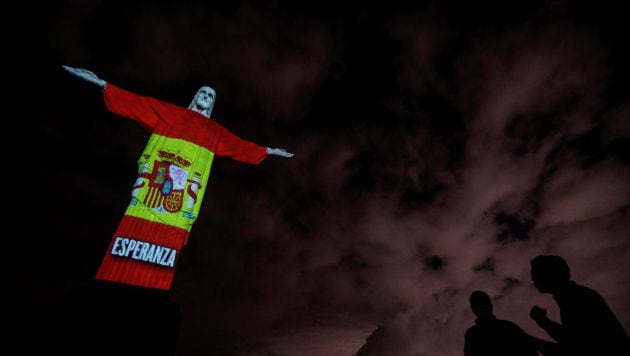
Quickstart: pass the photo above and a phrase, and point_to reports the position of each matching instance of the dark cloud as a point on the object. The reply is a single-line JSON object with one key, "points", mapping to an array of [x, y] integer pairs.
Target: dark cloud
{"points": [[434, 263], [512, 227], [486, 265]]}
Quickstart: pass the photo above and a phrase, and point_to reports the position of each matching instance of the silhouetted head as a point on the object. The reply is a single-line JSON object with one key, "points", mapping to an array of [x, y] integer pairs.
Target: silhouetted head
{"points": [[481, 304], [549, 273], [203, 102]]}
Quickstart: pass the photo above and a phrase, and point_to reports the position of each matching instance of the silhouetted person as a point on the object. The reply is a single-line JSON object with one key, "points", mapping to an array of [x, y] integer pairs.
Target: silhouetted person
{"points": [[588, 326], [491, 336]]}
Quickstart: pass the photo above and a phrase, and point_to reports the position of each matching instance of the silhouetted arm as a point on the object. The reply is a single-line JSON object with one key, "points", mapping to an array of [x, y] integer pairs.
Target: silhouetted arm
{"points": [[530, 345], [555, 330], [544, 347]]}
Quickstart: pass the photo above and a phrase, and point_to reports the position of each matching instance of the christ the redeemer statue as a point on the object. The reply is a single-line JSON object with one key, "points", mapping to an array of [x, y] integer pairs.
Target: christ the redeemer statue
{"points": [[172, 174]]}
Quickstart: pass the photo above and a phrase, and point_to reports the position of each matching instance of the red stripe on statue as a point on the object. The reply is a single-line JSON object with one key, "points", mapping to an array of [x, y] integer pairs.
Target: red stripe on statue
{"points": [[138, 272]]}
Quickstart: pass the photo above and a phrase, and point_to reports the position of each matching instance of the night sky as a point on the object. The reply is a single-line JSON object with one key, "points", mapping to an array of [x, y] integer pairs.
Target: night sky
{"points": [[439, 148]]}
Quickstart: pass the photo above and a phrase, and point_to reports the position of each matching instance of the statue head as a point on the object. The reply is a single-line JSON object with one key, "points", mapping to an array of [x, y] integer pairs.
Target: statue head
{"points": [[203, 102]]}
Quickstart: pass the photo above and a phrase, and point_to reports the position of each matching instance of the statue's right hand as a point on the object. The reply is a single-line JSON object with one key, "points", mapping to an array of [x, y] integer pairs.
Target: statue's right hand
{"points": [[85, 75]]}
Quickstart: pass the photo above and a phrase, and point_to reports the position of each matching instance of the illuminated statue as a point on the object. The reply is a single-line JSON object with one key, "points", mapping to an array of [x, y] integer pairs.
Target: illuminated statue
{"points": [[172, 175]]}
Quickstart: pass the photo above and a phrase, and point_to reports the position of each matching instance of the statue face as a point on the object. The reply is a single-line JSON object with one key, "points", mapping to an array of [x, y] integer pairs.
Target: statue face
{"points": [[205, 98]]}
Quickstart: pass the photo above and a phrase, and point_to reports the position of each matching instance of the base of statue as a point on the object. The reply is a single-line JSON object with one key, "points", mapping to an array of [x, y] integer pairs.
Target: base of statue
{"points": [[105, 318]]}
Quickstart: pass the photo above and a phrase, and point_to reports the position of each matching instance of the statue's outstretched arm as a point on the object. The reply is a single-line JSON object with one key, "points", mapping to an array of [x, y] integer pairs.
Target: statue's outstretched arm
{"points": [[85, 75], [279, 152]]}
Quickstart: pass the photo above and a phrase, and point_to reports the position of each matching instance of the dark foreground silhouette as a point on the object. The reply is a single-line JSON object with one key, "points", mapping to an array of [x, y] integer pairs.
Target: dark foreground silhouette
{"points": [[494, 337], [588, 325], [106, 318]]}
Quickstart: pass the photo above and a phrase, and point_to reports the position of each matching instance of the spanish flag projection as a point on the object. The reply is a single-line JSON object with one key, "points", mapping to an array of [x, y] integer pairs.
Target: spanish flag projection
{"points": [[172, 174]]}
